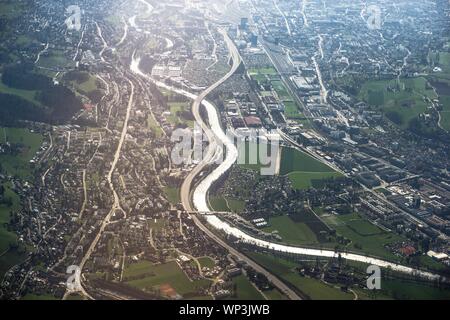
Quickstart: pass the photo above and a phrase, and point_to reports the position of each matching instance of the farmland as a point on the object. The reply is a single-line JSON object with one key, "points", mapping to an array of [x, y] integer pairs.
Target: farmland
{"points": [[400, 101], [151, 277], [244, 289], [309, 287], [364, 236], [303, 170]]}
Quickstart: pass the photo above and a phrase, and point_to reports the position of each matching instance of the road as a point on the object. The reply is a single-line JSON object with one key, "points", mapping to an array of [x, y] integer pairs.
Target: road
{"points": [[188, 182], [116, 204]]}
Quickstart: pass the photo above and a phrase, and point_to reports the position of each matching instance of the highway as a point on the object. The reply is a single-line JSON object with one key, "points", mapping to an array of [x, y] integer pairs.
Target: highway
{"points": [[188, 182]]}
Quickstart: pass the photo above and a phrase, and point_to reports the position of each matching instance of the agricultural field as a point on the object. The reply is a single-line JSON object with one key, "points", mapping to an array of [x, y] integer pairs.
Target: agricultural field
{"points": [[365, 236], [245, 290], [10, 252], [303, 170], [172, 194], [294, 233], [309, 287], [407, 290], [206, 262], [29, 95], [219, 203], [19, 165], [166, 277], [54, 59], [16, 165], [400, 102]]}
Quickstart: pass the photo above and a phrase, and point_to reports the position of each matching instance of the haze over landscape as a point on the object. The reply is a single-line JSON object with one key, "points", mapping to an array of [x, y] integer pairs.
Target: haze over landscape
{"points": [[224, 150]]}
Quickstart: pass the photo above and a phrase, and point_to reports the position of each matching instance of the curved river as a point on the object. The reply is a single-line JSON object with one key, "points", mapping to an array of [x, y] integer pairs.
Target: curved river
{"points": [[200, 194]]}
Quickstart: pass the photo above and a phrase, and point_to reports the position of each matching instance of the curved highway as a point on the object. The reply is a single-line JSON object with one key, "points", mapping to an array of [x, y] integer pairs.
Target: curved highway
{"points": [[215, 133]]}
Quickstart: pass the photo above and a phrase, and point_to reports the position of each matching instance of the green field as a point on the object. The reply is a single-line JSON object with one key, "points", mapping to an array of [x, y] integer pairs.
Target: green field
{"points": [[281, 90], [86, 86], [176, 117], [154, 126], [55, 59], [400, 289], [274, 294], [152, 276], [365, 236], [39, 297], [400, 102], [172, 194], [206, 262], [269, 71], [291, 110], [11, 10], [16, 165], [312, 288], [19, 165], [295, 233], [303, 170], [29, 95], [244, 289], [10, 253], [219, 203]]}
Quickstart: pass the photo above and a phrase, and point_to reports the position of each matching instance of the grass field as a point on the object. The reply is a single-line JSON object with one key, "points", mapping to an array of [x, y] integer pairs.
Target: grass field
{"points": [[19, 165], [400, 289], [55, 59], [303, 170], [40, 297], [274, 294], [402, 105], [442, 85], [313, 288], [244, 289], [10, 254], [206, 262], [365, 236], [86, 86], [292, 232], [154, 126], [29, 95], [219, 203], [16, 165], [172, 194], [176, 117], [291, 110], [154, 276]]}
